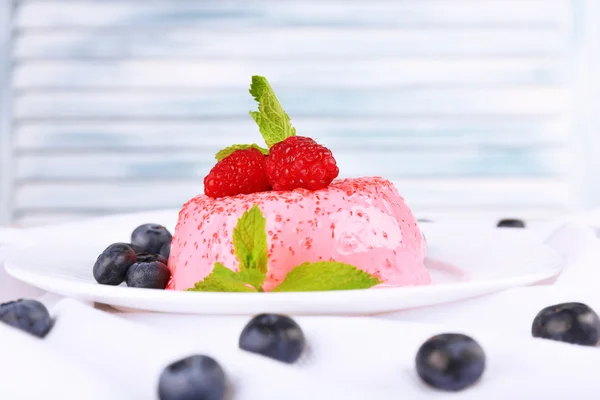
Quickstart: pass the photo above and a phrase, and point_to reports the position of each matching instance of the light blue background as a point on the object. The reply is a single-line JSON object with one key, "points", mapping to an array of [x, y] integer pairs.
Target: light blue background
{"points": [[477, 106]]}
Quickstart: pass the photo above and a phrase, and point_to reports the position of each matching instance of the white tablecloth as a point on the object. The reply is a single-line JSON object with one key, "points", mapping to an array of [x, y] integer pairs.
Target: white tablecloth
{"points": [[99, 353]]}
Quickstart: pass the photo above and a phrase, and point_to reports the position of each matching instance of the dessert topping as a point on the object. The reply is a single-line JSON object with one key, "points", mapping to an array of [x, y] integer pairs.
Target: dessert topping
{"points": [[273, 122], [241, 172], [293, 162], [300, 162]]}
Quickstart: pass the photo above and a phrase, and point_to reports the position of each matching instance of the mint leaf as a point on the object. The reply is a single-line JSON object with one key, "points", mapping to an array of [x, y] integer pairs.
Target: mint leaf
{"points": [[326, 275], [221, 279], [274, 124], [250, 241], [227, 151], [250, 248], [252, 277]]}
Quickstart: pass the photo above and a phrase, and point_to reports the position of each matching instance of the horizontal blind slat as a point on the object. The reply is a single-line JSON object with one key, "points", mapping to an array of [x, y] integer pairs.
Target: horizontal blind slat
{"points": [[342, 133], [290, 43], [249, 13], [216, 74], [298, 102]]}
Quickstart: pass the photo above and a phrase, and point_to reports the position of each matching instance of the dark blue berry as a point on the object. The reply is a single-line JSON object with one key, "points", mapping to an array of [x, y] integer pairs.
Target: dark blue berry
{"points": [[137, 249], [193, 378], [147, 257], [28, 315], [112, 265], [150, 237], [510, 223], [274, 336], [568, 322], [165, 250], [450, 361], [148, 275]]}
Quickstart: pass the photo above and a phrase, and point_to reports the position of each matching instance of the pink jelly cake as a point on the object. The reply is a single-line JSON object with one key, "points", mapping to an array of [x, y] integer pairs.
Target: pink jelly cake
{"points": [[322, 233], [362, 221]]}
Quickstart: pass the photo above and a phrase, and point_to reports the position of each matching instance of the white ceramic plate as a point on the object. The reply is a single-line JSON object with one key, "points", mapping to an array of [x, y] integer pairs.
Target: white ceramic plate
{"points": [[465, 261]]}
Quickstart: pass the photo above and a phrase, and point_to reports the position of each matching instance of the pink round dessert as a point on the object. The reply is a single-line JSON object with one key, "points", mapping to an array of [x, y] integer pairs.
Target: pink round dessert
{"points": [[362, 221]]}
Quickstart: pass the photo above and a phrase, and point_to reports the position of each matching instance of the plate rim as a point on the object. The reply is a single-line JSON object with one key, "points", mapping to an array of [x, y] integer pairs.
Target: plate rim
{"points": [[26, 276]]}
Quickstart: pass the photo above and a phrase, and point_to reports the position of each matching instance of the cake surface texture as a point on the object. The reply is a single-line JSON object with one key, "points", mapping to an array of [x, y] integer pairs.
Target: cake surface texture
{"points": [[361, 221]]}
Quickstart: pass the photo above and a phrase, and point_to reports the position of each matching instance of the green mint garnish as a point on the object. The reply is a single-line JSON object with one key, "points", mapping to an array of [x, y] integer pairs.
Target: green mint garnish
{"points": [[274, 124], [250, 241], [221, 279], [227, 151], [326, 275], [250, 248]]}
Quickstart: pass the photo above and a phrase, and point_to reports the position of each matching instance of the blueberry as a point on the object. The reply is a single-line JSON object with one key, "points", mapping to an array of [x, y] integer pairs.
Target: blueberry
{"points": [[568, 322], [150, 237], [28, 315], [112, 265], [450, 361], [137, 249], [149, 275], [274, 336], [193, 378], [165, 250], [147, 257], [510, 223]]}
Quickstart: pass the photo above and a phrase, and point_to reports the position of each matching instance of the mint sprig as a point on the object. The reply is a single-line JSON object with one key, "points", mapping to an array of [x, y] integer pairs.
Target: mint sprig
{"points": [[273, 122], [250, 249]]}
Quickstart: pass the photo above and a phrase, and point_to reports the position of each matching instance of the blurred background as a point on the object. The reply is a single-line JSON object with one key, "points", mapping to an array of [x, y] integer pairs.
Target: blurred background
{"points": [[474, 107]]}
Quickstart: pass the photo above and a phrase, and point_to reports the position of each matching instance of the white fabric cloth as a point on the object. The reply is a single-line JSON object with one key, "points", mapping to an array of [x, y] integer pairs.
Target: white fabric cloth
{"points": [[101, 353], [11, 288]]}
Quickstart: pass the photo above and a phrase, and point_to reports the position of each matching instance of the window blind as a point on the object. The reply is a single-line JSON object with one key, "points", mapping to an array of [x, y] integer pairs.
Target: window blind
{"points": [[119, 106]]}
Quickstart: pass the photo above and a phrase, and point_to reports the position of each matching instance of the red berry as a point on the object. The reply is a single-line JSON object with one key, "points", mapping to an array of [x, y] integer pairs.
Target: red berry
{"points": [[300, 162], [242, 172]]}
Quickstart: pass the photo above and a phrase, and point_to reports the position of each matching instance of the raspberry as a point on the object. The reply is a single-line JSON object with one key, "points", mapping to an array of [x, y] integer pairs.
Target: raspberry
{"points": [[242, 172], [300, 162]]}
